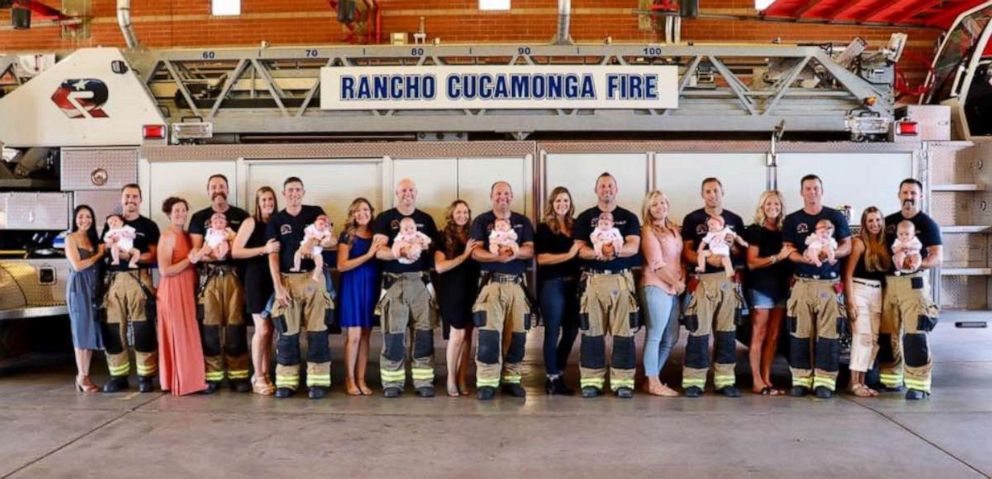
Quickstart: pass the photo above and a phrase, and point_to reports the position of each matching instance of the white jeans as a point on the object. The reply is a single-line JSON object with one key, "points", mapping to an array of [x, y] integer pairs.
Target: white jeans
{"points": [[864, 324]]}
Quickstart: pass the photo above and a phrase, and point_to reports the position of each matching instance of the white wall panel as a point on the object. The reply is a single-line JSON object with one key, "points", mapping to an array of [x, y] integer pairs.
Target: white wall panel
{"points": [[187, 180], [437, 184], [578, 173], [856, 180], [330, 184], [743, 175], [477, 175]]}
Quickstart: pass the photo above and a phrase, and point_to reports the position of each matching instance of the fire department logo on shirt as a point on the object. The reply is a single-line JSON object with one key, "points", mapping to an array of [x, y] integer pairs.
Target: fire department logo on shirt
{"points": [[82, 98], [286, 230], [802, 228], [702, 229]]}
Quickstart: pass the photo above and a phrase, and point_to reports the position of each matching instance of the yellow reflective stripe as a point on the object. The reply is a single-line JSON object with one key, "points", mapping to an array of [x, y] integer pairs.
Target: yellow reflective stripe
{"points": [[319, 381], [146, 370], [425, 373], [215, 375], [618, 383], [121, 370], [723, 381], [891, 380], [804, 382], [511, 379], [828, 382], [697, 382], [919, 385], [240, 374], [392, 375], [594, 382], [287, 381], [480, 382]]}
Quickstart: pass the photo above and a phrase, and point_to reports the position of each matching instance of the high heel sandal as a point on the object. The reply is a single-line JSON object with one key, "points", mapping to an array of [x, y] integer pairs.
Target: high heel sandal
{"points": [[260, 385], [85, 387]]}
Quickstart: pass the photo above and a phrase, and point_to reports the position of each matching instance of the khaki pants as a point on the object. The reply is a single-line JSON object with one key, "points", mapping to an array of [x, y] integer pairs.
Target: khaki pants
{"points": [[500, 312], [126, 303], [223, 305], [308, 302], [713, 306], [608, 304], [406, 304], [865, 323], [814, 316], [908, 316]]}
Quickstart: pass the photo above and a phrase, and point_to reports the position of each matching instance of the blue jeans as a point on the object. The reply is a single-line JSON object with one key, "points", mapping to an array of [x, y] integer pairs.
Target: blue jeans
{"points": [[661, 317], [560, 310]]}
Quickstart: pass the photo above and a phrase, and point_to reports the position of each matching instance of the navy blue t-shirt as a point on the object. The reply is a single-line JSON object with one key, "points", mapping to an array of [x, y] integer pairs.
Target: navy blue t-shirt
{"points": [[145, 234], [288, 231], [483, 225], [623, 220], [694, 229], [199, 223], [799, 225], [927, 231], [388, 224]]}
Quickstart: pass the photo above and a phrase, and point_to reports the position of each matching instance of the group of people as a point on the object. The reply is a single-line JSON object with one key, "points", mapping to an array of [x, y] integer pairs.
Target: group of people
{"points": [[402, 273]]}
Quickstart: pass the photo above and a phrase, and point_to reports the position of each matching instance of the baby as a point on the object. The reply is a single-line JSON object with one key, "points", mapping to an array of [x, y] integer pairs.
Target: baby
{"points": [[409, 243], [313, 235], [217, 241], [716, 239], [605, 235], [120, 239], [906, 248], [821, 242], [502, 239]]}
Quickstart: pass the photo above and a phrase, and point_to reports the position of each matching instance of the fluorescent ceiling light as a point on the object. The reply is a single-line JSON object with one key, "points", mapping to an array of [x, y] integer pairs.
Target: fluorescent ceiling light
{"points": [[225, 7], [494, 4]]}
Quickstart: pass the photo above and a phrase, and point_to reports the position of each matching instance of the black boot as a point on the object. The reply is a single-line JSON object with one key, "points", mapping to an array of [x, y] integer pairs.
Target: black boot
{"points": [[146, 384], [116, 384], [240, 385], [555, 385], [212, 387]]}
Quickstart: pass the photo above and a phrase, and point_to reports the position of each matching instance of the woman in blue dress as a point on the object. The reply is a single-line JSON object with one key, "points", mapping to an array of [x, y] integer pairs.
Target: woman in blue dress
{"points": [[84, 251], [359, 292]]}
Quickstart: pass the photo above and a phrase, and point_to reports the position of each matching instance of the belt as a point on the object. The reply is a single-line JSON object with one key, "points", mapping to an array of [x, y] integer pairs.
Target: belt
{"points": [[420, 274], [503, 278], [295, 273], [814, 277], [871, 283], [608, 271], [215, 268]]}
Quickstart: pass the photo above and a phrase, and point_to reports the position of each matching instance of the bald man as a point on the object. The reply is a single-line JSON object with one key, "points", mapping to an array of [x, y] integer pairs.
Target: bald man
{"points": [[407, 300]]}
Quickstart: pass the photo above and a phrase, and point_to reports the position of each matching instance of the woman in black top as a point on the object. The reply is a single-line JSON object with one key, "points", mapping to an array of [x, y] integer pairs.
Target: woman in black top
{"points": [[864, 277], [558, 279], [459, 278], [251, 246], [768, 288]]}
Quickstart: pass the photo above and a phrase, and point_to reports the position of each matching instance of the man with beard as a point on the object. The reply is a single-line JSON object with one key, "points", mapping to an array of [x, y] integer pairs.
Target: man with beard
{"points": [[220, 298], [608, 304], [501, 310], [908, 311], [130, 299], [406, 304]]}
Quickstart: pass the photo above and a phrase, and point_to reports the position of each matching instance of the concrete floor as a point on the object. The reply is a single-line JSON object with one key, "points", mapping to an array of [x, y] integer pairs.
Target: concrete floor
{"points": [[51, 431]]}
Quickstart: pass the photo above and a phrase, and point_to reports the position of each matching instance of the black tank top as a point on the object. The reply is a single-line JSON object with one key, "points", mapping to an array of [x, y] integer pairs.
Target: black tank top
{"points": [[257, 238], [861, 270]]}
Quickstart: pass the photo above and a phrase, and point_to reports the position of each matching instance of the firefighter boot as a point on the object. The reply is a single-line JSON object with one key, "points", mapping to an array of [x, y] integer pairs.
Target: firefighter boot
{"points": [[116, 384]]}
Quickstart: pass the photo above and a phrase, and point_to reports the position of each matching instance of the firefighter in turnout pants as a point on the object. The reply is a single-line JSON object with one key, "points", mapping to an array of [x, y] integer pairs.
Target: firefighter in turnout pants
{"points": [[908, 311], [714, 303], [220, 304], [300, 301], [501, 311], [814, 313], [407, 301], [130, 300], [608, 304]]}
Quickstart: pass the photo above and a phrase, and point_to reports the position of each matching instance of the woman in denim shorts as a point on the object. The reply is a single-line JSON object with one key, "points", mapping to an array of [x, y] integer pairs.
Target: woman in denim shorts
{"points": [[768, 288]]}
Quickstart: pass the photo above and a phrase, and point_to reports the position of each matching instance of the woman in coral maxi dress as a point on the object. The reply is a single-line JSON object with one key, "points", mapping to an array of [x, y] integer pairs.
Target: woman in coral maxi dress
{"points": [[181, 366]]}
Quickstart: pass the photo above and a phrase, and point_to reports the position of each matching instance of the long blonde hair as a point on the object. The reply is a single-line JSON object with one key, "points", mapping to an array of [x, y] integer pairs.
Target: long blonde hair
{"points": [[648, 221], [551, 218], [351, 224], [759, 214], [876, 254]]}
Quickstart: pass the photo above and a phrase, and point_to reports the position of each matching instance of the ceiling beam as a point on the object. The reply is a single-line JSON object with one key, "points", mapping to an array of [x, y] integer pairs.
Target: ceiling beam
{"points": [[915, 9], [882, 15], [845, 9]]}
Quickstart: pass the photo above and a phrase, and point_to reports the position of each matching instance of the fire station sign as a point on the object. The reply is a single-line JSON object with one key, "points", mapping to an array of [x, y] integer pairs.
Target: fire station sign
{"points": [[499, 87]]}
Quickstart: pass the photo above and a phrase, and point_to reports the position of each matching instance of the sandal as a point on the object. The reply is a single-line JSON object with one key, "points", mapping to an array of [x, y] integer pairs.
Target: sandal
{"points": [[261, 385], [861, 391], [770, 391]]}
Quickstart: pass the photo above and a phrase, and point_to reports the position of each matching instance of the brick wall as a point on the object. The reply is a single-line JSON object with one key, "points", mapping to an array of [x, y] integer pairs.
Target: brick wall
{"points": [[188, 23]]}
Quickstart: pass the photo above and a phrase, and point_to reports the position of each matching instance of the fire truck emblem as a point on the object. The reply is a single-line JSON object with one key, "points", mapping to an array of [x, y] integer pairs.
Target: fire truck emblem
{"points": [[98, 177], [81, 98]]}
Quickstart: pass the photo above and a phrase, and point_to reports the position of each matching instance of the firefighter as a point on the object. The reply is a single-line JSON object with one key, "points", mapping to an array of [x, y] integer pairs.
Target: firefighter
{"points": [[814, 312], [407, 303], [300, 301], [502, 310], [130, 302], [220, 298], [908, 311], [608, 304], [714, 306]]}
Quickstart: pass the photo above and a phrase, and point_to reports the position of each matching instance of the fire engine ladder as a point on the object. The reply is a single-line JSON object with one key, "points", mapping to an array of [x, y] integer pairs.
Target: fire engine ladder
{"points": [[722, 88]]}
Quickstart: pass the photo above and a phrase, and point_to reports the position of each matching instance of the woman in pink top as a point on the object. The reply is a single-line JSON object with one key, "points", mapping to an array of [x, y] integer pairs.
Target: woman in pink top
{"points": [[663, 281]]}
